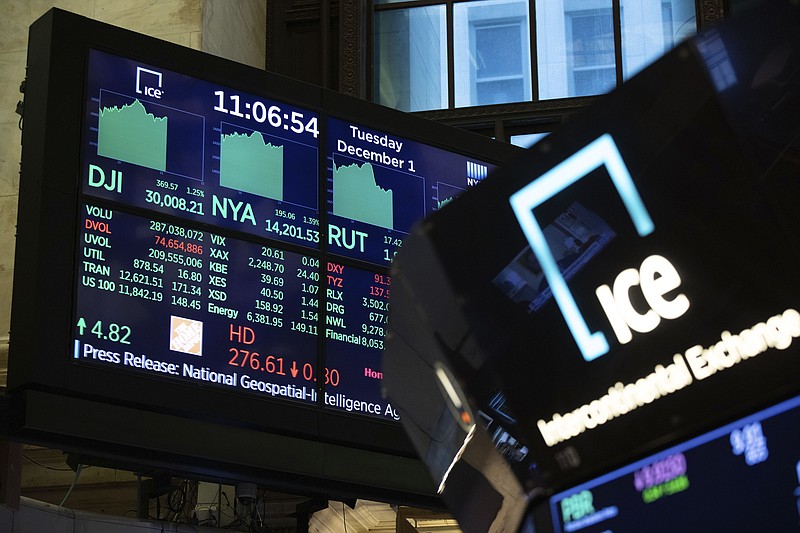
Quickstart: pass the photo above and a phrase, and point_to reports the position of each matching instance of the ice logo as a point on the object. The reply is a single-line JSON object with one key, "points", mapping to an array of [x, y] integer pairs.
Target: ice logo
{"points": [[600, 152], [142, 77]]}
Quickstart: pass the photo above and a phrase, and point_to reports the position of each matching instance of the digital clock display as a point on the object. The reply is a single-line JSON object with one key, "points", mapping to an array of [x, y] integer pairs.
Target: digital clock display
{"points": [[175, 144]]}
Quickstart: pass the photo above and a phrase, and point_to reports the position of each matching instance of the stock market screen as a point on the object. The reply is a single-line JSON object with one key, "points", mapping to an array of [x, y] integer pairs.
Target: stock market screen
{"points": [[182, 146], [204, 256], [190, 304], [750, 469]]}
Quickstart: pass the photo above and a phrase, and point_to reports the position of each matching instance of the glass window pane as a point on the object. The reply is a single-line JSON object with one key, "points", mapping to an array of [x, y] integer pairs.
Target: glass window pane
{"points": [[575, 47], [650, 28], [594, 80], [498, 50], [411, 58], [499, 91], [527, 140], [491, 52]]}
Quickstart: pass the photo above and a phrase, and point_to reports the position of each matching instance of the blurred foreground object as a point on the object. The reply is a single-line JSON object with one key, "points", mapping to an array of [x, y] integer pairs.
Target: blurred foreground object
{"points": [[628, 283]]}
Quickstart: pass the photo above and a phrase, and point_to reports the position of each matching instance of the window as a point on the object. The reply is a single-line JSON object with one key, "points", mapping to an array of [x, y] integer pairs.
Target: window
{"points": [[498, 69], [650, 28], [590, 41], [527, 140], [451, 54], [410, 70], [491, 52]]}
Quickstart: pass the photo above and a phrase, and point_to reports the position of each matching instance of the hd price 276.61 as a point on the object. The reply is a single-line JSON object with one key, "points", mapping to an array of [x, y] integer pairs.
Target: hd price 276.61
{"points": [[272, 364]]}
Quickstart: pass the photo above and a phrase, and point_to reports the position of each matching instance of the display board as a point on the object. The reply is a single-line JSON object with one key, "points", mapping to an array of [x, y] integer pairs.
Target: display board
{"points": [[261, 339], [178, 203], [224, 311], [750, 469], [242, 315]]}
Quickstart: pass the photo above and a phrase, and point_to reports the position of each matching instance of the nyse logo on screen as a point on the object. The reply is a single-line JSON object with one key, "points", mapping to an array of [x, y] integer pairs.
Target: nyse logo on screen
{"points": [[656, 276], [148, 82]]}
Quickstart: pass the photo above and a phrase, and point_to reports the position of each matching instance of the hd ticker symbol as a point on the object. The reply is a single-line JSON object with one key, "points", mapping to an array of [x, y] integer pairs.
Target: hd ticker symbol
{"points": [[601, 151]]}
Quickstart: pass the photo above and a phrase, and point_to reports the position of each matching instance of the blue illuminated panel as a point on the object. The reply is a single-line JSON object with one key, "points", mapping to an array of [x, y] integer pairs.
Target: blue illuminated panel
{"points": [[744, 476]]}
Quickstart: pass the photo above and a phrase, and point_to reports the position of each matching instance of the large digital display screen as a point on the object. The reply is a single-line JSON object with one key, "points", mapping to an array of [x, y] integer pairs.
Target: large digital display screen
{"points": [[744, 476], [176, 274], [200, 257], [180, 302]]}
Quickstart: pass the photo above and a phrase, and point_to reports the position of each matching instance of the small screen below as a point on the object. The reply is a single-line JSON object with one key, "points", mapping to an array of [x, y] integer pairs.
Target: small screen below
{"points": [[744, 476]]}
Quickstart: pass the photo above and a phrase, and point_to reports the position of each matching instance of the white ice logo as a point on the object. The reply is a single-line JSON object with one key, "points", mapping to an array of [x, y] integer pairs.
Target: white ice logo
{"points": [[142, 86]]}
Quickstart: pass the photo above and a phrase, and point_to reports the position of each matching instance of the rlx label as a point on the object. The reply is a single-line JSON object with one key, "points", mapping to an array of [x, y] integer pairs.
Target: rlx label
{"points": [[600, 152]]}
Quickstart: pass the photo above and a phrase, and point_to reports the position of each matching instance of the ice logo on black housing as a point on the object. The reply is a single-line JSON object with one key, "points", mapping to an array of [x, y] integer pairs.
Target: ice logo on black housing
{"points": [[600, 152]]}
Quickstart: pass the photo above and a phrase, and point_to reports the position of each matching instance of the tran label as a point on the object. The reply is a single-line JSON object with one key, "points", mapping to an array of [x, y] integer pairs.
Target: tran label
{"points": [[600, 152]]}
